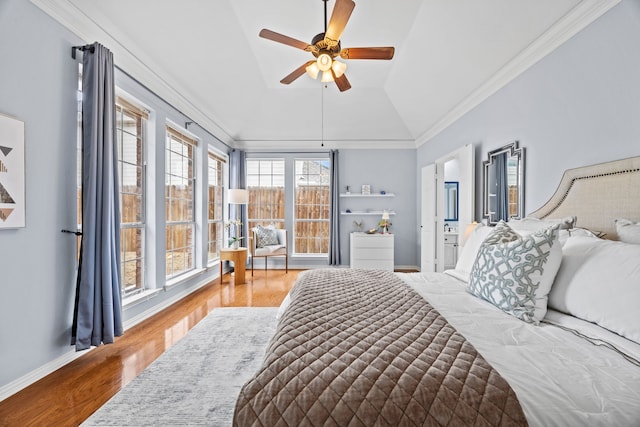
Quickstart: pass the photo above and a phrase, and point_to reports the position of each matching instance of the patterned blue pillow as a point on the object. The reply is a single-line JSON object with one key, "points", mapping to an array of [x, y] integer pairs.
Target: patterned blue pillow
{"points": [[266, 236], [515, 273]]}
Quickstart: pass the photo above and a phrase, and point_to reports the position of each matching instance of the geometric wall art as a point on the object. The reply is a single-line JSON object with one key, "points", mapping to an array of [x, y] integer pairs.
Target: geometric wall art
{"points": [[12, 191]]}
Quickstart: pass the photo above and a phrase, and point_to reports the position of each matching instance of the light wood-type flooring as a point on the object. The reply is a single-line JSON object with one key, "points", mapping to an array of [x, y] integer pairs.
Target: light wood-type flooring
{"points": [[71, 394]]}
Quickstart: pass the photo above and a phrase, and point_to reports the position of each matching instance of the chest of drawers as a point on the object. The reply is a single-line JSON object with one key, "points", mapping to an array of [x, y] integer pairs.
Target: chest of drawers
{"points": [[371, 251]]}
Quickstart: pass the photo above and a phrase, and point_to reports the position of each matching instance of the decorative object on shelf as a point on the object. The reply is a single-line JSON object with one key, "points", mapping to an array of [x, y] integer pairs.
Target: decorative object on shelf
{"points": [[348, 190], [358, 223], [384, 223], [383, 192], [12, 185], [366, 189], [372, 231]]}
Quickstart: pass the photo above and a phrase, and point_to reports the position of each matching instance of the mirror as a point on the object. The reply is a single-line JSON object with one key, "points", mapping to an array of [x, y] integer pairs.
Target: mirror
{"points": [[503, 179], [451, 201]]}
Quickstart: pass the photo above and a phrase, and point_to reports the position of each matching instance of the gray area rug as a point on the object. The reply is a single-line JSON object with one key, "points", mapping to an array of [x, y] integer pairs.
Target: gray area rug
{"points": [[196, 382]]}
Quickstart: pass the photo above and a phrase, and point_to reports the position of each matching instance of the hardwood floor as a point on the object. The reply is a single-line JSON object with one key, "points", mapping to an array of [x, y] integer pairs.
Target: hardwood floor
{"points": [[71, 394]]}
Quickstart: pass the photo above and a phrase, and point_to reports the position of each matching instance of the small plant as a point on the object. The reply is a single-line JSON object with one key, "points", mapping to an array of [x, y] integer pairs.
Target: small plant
{"points": [[236, 224]]}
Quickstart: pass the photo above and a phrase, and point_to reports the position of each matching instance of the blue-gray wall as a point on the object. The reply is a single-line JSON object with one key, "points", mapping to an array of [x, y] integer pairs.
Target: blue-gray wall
{"points": [[577, 106], [38, 85]]}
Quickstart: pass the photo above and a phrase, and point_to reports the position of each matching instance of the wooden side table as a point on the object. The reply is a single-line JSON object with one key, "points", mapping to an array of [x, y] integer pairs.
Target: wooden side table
{"points": [[239, 259]]}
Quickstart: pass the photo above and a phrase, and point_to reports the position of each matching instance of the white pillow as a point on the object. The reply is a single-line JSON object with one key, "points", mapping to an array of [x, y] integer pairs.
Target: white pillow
{"points": [[628, 231], [515, 273], [467, 255], [599, 281], [530, 224]]}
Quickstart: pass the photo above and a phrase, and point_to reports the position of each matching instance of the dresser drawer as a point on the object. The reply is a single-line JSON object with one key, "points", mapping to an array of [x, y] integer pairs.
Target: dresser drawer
{"points": [[372, 251]]}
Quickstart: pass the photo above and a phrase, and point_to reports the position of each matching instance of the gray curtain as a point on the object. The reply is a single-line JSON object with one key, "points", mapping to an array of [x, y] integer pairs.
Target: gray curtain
{"points": [[334, 219], [502, 188], [98, 308], [238, 179]]}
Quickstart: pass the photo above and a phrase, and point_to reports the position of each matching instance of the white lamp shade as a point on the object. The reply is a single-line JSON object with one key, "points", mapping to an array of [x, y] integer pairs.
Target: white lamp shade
{"points": [[313, 70], [238, 197], [385, 214], [324, 62], [338, 68], [327, 77]]}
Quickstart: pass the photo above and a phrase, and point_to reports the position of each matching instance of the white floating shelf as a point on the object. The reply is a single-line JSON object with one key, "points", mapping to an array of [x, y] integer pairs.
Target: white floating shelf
{"points": [[379, 213], [367, 195]]}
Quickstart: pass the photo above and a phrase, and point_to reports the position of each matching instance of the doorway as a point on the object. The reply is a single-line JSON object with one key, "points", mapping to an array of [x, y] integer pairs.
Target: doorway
{"points": [[433, 234]]}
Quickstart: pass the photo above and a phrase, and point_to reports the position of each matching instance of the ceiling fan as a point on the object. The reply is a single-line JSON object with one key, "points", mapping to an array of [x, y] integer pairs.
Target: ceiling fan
{"points": [[325, 47]]}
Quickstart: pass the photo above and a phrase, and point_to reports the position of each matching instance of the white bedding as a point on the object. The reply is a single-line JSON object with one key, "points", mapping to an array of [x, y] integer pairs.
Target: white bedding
{"points": [[561, 379]]}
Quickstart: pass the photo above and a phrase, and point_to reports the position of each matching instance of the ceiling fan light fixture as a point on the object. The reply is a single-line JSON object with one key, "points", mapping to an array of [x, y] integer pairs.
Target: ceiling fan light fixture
{"points": [[324, 61], [338, 68], [327, 77], [313, 70]]}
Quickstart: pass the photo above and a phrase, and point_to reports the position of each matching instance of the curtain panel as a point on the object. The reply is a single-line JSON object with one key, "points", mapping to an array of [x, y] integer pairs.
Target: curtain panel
{"points": [[334, 219], [98, 308]]}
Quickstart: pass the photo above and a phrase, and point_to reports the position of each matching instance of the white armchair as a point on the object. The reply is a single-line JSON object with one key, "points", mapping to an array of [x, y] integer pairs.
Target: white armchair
{"points": [[271, 250]]}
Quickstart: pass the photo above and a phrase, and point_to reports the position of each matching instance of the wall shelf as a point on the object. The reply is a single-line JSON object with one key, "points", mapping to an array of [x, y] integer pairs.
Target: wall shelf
{"points": [[367, 195], [379, 213]]}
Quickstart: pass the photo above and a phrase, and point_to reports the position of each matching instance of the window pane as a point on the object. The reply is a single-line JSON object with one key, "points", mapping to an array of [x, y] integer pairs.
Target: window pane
{"points": [[311, 206], [215, 206], [265, 182], [130, 135], [179, 204]]}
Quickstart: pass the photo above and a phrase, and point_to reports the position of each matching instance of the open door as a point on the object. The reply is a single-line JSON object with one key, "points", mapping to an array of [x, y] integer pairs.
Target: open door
{"points": [[428, 219], [432, 202]]}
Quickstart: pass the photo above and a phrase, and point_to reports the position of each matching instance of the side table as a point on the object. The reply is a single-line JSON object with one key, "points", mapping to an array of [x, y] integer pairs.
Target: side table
{"points": [[239, 259]]}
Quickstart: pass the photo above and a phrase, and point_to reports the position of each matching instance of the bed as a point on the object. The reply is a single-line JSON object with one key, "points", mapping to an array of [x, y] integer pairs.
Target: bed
{"points": [[553, 340]]}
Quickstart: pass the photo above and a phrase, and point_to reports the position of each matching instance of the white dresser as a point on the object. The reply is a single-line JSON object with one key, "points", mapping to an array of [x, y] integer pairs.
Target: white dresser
{"points": [[371, 251]]}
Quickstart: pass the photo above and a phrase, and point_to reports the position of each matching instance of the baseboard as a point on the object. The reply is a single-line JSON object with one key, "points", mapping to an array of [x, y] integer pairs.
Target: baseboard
{"points": [[37, 374], [26, 380]]}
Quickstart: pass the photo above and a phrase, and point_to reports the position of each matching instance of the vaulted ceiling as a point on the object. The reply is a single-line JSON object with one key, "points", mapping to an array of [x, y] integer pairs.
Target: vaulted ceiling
{"points": [[205, 58]]}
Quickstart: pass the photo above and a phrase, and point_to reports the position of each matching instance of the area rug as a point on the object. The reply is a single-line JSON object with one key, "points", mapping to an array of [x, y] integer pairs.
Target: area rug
{"points": [[196, 382]]}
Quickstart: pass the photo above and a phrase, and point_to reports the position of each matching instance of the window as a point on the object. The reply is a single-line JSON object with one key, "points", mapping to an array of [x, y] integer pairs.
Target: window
{"points": [[312, 179], [265, 182], [130, 135], [180, 203], [215, 206]]}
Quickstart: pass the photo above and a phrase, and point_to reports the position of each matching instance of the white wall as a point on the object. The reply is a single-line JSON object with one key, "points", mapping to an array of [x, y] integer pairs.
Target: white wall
{"points": [[577, 106]]}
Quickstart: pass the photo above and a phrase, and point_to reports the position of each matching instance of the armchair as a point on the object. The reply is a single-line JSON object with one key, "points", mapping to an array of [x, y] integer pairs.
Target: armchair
{"points": [[280, 249]]}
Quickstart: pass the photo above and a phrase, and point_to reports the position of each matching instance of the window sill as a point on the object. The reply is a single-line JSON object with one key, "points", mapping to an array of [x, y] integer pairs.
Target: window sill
{"points": [[183, 277], [139, 297]]}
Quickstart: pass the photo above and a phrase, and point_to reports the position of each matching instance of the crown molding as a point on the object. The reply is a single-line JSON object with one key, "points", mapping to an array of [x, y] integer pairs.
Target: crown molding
{"points": [[301, 145], [69, 16], [569, 25]]}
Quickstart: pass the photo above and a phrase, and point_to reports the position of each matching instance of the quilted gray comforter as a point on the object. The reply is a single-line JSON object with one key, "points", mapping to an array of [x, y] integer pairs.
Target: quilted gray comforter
{"points": [[361, 348]]}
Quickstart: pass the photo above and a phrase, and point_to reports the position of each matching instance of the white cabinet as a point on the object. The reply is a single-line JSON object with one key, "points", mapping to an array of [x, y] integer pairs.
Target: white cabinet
{"points": [[450, 250], [371, 251]]}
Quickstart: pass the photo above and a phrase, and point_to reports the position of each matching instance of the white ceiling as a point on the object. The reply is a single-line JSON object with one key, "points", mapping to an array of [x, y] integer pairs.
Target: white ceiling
{"points": [[205, 58]]}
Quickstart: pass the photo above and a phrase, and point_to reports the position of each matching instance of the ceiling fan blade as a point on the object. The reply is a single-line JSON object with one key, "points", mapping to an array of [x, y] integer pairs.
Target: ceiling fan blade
{"points": [[368, 53], [296, 73], [281, 38], [342, 82], [339, 18]]}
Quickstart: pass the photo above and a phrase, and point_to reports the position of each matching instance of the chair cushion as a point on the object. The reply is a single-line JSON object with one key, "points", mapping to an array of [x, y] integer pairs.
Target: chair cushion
{"points": [[266, 236]]}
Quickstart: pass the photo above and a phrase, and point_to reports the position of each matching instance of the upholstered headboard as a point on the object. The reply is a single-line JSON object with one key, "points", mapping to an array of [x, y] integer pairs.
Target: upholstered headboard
{"points": [[597, 195]]}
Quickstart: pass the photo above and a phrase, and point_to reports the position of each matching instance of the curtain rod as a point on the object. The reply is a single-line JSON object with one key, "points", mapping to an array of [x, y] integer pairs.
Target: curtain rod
{"points": [[88, 47], [189, 121]]}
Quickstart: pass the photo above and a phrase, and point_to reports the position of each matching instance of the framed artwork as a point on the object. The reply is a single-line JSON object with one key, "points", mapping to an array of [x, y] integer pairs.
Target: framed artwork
{"points": [[12, 194], [366, 189]]}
